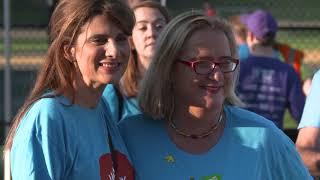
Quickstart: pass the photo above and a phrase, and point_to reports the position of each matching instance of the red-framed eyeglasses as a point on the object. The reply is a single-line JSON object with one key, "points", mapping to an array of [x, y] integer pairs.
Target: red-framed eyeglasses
{"points": [[205, 66]]}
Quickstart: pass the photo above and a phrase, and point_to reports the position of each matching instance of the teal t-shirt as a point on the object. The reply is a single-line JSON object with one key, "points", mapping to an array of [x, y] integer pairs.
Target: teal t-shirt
{"points": [[120, 107], [250, 148], [311, 112], [57, 140]]}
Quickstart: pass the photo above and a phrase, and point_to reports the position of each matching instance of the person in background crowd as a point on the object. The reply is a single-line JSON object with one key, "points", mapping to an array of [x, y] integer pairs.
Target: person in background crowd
{"points": [[290, 55], [307, 86], [61, 131], [191, 127], [240, 34], [266, 85], [151, 18], [132, 3], [208, 9], [282, 51], [308, 143]]}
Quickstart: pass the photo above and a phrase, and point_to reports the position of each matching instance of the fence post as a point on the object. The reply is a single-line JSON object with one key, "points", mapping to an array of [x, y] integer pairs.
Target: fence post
{"points": [[7, 65], [6, 167], [164, 3]]}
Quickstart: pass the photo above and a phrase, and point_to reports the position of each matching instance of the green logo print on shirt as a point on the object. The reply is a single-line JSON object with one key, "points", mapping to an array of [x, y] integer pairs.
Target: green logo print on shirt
{"points": [[212, 177]]}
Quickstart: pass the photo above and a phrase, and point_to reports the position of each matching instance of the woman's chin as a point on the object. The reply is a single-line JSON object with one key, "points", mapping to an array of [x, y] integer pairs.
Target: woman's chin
{"points": [[213, 103]]}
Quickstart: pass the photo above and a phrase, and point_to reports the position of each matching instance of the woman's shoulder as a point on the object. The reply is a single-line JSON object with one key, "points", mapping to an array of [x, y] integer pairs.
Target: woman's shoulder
{"points": [[276, 149], [109, 89], [139, 124], [253, 128], [40, 119], [45, 112], [242, 116], [46, 105], [117, 106], [137, 120]]}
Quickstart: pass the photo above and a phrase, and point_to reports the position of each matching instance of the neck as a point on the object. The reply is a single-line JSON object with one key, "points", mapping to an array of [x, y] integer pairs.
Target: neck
{"points": [[205, 125], [142, 66], [257, 50], [87, 96], [195, 120]]}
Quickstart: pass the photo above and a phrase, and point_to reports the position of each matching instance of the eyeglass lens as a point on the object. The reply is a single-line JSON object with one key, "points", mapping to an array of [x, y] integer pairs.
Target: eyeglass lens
{"points": [[205, 67]]}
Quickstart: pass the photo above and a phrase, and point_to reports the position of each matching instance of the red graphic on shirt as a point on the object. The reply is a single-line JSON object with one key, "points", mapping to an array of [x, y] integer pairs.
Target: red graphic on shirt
{"points": [[120, 169]]}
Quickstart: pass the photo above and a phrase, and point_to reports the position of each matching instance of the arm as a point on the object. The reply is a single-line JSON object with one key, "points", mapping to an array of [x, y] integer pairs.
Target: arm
{"points": [[38, 149], [308, 145], [296, 98], [308, 141]]}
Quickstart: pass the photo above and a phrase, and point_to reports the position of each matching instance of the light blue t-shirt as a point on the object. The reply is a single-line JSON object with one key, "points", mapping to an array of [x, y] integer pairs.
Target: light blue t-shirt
{"points": [[120, 107], [57, 140], [311, 111], [243, 51], [250, 148]]}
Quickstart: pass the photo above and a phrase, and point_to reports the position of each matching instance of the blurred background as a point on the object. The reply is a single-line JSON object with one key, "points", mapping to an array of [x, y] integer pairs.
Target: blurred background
{"points": [[299, 23]]}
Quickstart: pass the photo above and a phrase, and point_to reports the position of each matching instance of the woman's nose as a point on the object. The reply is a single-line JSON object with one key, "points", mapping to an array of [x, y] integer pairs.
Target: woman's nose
{"points": [[111, 49], [216, 73], [151, 31]]}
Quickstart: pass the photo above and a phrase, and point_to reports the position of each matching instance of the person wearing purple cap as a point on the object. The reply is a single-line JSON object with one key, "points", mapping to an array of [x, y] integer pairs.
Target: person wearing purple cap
{"points": [[261, 24], [267, 85]]}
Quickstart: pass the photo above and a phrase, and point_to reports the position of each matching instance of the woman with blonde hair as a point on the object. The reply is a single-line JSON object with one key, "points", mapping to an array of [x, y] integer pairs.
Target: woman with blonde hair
{"points": [[62, 132], [151, 17], [191, 127]]}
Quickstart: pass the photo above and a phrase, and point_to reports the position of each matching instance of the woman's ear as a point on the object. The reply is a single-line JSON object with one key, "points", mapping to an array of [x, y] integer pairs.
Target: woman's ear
{"points": [[69, 52]]}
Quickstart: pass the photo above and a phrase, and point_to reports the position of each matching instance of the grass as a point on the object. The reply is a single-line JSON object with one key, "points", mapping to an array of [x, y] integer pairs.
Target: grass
{"points": [[306, 39], [27, 46], [289, 122]]}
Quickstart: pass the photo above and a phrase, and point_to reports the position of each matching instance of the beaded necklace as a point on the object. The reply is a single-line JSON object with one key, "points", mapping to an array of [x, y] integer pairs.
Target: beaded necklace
{"points": [[197, 136]]}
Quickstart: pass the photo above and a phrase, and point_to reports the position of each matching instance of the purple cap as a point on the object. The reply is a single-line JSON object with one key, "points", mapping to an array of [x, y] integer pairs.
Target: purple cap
{"points": [[260, 23]]}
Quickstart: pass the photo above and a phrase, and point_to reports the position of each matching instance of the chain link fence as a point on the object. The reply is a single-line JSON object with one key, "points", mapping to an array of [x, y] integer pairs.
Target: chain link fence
{"points": [[299, 23]]}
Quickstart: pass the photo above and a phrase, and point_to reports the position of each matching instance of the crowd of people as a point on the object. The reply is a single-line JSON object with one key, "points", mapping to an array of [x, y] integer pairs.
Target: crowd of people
{"points": [[127, 92]]}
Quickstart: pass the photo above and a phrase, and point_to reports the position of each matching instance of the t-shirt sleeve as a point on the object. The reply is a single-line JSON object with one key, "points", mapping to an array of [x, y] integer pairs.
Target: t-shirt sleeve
{"points": [[311, 112], [283, 161], [38, 150]]}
